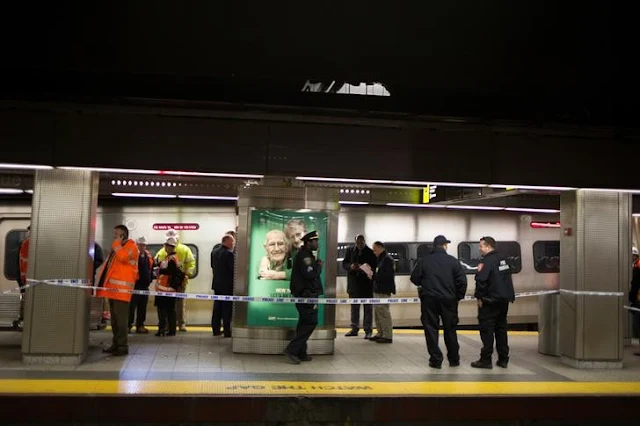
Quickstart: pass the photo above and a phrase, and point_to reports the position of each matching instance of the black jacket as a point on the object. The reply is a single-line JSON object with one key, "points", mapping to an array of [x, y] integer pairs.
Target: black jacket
{"points": [[384, 277], [145, 271], [493, 281], [305, 275], [634, 292], [223, 264], [357, 281], [440, 275]]}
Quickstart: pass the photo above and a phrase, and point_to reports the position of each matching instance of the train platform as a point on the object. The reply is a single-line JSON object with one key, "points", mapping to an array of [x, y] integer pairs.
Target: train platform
{"points": [[195, 377]]}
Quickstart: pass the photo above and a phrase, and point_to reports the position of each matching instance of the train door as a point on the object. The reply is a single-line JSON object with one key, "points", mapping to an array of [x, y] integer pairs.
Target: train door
{"points": [[12, 232]]}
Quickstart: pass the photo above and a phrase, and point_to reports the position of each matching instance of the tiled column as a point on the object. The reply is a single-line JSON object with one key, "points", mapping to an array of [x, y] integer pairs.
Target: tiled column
{"points": [[56, 326]]}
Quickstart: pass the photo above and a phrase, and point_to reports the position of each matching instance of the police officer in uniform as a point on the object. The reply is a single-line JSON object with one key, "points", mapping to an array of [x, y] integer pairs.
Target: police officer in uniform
{"points": [[305, 282], [494, 291]]}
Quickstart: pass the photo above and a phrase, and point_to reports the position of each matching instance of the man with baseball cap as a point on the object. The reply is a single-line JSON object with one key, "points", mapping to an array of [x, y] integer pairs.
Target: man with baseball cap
{"points": [[138, 304], [441, 283]]}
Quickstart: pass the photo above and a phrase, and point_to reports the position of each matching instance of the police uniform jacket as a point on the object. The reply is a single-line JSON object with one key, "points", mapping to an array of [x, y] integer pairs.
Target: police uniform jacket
{"points": [[384, 278], [305, 275], [440, 275], [493, 281]]}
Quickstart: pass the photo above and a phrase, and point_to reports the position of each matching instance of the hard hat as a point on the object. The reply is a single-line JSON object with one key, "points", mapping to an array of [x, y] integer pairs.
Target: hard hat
{"points": [[634, 250], [171, 233], [171, 242], [142, 240]]}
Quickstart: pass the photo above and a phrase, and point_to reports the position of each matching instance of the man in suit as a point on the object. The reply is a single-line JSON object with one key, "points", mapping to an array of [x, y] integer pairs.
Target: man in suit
{"points": [[359, 285]]}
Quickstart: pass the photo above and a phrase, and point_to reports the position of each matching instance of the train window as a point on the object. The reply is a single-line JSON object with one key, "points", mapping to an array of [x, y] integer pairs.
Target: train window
{"points": [[11, 253], [342, 251], [399, 253], [469, 255], [155, 248], [546, 256]]}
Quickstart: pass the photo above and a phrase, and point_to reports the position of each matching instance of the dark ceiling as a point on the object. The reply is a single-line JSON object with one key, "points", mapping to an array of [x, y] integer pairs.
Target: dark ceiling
{"points": [[545, 61]]}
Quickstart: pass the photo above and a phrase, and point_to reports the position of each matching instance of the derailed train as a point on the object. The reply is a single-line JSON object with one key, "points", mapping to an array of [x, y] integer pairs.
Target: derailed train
{"points": [[530, 241]]}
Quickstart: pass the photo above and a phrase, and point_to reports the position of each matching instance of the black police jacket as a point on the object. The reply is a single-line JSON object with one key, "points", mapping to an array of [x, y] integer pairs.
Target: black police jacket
{"points": [[384, 277], [305, 275], [440, 275], [223, 265], [493, 280]]}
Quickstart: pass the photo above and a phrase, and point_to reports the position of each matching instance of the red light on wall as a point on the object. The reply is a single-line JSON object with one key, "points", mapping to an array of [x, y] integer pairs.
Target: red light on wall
{"points": [[540, 225]]}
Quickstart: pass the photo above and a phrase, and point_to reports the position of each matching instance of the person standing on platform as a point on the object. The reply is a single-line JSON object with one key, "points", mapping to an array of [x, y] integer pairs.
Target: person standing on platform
{"points": [[170, 279], [305, 282], [119, 273], [138, 303], [23, 263], [441, 283], [634, 293], [224, 262], [384, 285], [359, 285], [188, 262], [494, 291]]}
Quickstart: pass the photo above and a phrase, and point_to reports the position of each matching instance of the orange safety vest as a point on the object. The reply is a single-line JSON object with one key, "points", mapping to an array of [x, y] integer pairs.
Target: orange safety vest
{"points": [[24, 260], [120, 271], [163, 280]]}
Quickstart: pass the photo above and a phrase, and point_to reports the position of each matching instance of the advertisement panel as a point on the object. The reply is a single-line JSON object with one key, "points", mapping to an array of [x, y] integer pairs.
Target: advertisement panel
{"points": [[274, 240]]}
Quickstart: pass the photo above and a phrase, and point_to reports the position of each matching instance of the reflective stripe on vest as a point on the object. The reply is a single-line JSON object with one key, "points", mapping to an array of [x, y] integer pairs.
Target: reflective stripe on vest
{"points": [[120, 282]]}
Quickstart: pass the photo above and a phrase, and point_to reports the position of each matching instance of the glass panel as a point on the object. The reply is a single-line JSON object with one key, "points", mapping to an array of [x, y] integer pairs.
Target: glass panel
{"points": [[546, 256], [398, 251], [342, 251], [469, 255]]}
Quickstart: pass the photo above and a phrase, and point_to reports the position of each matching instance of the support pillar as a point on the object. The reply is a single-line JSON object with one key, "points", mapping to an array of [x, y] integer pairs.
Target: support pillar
{"points": [[56, 326], [595, 257]]}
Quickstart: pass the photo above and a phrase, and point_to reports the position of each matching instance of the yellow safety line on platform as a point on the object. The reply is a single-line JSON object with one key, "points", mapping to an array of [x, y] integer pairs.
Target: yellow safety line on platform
{"points": [[200, 328], [152, 387]]}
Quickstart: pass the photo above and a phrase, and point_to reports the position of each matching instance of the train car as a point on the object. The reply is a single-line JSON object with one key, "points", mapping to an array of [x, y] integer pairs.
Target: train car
{"points": [[530, 241]]}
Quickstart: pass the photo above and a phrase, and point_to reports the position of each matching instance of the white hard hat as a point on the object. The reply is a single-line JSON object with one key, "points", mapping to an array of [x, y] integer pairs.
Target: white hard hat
{"points": [[142, 240], [634, 250], [171, 233], [171, 242]]}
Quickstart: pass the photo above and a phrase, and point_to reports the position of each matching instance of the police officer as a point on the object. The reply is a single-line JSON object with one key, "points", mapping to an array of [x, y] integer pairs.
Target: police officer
{"points": [[305, 282], [494, 291]]}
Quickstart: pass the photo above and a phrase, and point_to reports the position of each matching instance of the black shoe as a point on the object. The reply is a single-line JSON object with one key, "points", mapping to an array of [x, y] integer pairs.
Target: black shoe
{"points": [[352, 333], [305, 358], [502, 363], [383, 340], [111, 349], [434, 364], [161, 333], [368, 336], [454, 363], [171, 333], [636, 353], [482, 364], [217, 333], [374, 338], [227, 334], [292, 358], [120, 352]]}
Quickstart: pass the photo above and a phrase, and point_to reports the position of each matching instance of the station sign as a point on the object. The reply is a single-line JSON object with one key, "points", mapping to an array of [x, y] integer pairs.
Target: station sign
{"points": [[176, 226], [428, 193], [542, 225]]}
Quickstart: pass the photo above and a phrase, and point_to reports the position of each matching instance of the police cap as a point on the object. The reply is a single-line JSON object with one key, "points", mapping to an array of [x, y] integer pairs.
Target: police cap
{"points": [[313, 235]]}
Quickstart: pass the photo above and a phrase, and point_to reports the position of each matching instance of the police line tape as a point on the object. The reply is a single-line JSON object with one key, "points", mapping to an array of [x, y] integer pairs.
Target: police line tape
{"points": [[87, 284]]}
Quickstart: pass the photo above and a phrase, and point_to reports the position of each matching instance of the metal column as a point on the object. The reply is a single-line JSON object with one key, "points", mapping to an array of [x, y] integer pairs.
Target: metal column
{"points": [[56, 329], [595, 257]]}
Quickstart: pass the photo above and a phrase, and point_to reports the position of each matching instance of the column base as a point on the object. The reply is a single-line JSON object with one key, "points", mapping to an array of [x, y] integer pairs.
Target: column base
{"points": [[583, 364], [44, 359]]}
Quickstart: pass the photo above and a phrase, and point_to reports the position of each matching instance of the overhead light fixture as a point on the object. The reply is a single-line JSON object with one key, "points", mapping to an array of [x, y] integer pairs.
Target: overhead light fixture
{"points": [[136, 195], [111, 170], [459, 207], [206, 174], [531, 210], [343, 180], [11, 191], [25, 166], [542, 188], [636, 215], [625, 191], [461, 184], [388, 182], [354, 202], [29, 191], [207, 197], [434, 206]]}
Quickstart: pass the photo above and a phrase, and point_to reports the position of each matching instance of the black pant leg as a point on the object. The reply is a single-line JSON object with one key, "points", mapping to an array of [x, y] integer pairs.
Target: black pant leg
{"points": [[132, 309], [355, 314], [217, 316], [141, 310], [430, 320], [162, 315], [308, 319], [487, 321], [502, 341], [227, 312], [449, 314], [171, 315]]}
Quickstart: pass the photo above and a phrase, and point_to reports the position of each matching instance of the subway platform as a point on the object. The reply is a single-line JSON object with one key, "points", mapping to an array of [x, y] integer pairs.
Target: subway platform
{"points": [[195, 377]]}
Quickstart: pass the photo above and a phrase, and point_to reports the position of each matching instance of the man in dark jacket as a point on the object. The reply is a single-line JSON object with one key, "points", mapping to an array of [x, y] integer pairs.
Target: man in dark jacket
{"points": [[384, 285], [223, 264], [305, 282], [634, 292], [359, 285], [441, 283], [494, 291]]}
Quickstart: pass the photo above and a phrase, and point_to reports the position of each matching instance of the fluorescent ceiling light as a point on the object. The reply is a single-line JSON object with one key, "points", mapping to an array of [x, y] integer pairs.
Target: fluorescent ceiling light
{"points": [[435, 206], [388, 182], [11, 191], [626, 191], [542, 188], [222, 175], [207, 197], [531, 210], [112, 170], [136, 195], [29, 191], [636, 215], [463, 184], [455, 206], [343, 180], [354, 202], [411, 182], [25, 166]]}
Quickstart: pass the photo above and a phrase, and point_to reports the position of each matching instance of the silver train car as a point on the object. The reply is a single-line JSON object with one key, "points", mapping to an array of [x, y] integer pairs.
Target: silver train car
{"points": [[530, 241]]}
